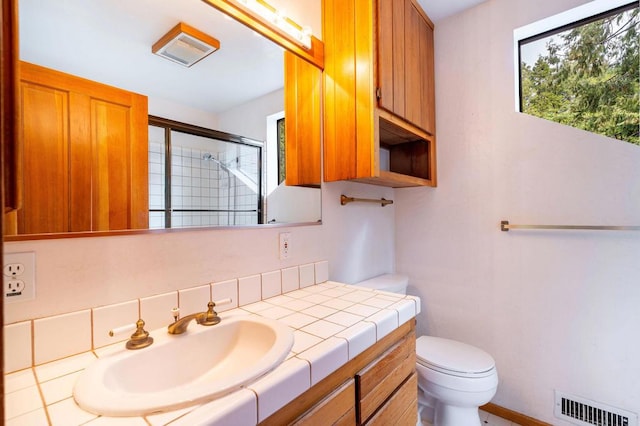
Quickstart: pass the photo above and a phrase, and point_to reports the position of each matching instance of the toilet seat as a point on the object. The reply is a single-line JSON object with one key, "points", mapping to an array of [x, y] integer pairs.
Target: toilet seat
{"points": [[453, 358]]}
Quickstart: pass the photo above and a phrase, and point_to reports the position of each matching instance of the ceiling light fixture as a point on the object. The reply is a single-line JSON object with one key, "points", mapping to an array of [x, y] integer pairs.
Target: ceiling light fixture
{"points": [[185, 45], [301, 35]]}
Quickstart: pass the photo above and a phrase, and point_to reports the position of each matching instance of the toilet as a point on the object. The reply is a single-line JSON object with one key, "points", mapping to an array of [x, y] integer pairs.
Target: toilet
{"points": [[454, 378]]}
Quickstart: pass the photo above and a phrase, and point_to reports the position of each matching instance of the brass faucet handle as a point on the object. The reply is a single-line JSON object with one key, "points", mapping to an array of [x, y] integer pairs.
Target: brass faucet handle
{"points": [[210, 317], [140, 338]]}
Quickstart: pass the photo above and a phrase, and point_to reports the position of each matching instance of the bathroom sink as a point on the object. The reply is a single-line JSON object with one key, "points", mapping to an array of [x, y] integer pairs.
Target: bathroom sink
{"points": [[177, 371]]}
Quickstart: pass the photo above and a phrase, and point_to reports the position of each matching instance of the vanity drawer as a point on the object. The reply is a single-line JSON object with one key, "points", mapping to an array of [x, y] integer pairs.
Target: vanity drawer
{"points": [[376, 382], [402, 408], [336, 409]]}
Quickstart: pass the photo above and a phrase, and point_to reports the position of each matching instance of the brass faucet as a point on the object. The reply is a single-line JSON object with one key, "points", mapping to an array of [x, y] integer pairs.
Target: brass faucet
{"points": [[203, 318]]}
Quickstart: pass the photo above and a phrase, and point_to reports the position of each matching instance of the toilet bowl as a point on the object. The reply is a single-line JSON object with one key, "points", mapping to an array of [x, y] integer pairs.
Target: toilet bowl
{"points": [[454, 378]]}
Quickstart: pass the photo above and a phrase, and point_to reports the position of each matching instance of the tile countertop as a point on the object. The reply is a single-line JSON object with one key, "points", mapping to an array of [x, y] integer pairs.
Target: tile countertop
{"points": [[332, 323]]}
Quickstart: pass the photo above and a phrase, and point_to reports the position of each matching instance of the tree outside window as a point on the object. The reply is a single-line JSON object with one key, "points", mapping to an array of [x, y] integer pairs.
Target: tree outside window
{"points": [[586, 75]]}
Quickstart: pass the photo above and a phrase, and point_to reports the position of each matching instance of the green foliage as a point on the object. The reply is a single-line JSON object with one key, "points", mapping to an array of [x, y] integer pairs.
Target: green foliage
{"points": [[589, 78]]}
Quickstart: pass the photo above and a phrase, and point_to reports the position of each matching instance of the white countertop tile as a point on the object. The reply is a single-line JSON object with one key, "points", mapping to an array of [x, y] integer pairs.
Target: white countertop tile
{"points": [[64, 366], [323, 329], [22, 401], [363, 310], [32, 418], [385, 320], [19, 380], [337, 304], [56, 390], [319, 311], [344, 318], [297, 320], [277, 389], [359, 337], [303, 341], [326, 357], [239, 408], [67, 413]]}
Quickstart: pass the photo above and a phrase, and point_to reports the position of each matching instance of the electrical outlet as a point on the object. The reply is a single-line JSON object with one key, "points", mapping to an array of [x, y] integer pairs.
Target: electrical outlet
{"points": [[285, 246], [13, 269], [19, 276]]}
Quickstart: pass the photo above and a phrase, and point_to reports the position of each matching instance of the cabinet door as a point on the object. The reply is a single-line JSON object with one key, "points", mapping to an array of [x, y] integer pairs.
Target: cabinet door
{"points": [[89, 143], [405, 62], [44, 126], [376, 382], [349, 90], [402, 407], [391, 56], [337, 409], [302, 89], [419, 84]]}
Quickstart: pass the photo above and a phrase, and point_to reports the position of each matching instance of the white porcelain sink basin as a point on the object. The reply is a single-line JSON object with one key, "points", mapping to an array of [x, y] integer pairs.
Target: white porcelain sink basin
{"points": [[177, 371]]}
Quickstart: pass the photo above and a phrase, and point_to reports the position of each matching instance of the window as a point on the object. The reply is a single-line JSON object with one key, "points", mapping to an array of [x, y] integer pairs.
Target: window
{"points": [[581, 68]]}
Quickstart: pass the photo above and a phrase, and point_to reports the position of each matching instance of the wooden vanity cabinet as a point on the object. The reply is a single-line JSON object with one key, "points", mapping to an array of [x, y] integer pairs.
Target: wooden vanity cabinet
{"points": [[379, 116], [84, 152], [379, 382], [337, 408], [377, 387]]}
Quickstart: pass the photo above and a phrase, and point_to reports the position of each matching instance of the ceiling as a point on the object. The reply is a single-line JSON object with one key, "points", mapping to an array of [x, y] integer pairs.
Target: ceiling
{"points": [[110, 41], [440, 9]]}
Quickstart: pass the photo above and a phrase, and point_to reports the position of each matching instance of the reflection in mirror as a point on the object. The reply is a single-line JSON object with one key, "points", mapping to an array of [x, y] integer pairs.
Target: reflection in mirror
{"points": [[213, 178], [237, 90]]}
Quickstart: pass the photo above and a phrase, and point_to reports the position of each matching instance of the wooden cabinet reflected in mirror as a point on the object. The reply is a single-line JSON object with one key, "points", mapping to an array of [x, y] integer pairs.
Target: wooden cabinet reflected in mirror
{"points": [[98, 171]]}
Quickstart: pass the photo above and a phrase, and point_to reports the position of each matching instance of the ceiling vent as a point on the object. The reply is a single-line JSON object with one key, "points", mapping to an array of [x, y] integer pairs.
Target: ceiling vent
{"points": [[185, 45]]}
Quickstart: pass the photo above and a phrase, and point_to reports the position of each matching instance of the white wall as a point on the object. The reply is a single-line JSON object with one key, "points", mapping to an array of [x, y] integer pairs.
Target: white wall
{"points": [[557, 309], [78, 273]]}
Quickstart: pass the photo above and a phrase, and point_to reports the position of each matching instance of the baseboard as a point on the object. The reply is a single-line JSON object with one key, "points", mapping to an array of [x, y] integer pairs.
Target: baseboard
{"points": [[512, 416]]}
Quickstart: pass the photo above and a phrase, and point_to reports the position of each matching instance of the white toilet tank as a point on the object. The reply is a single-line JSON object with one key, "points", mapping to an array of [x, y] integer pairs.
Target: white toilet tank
{"points": [[394, 283]]}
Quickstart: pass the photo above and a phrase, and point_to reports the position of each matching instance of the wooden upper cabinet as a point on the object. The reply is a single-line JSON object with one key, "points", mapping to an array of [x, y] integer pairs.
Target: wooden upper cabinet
{"points": [[85, 154], [379, 116], [303, 128]]}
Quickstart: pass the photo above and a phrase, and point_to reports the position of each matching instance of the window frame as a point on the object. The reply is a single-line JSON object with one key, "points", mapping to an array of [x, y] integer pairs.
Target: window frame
{"points": [[545, 27]]}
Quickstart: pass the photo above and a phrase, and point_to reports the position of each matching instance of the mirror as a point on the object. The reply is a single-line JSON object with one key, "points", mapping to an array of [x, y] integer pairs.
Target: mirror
{"points": [[236, 91]]}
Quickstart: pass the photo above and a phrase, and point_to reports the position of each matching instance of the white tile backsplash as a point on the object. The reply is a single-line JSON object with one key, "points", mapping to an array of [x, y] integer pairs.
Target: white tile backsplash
{"points": [[290, 279], [225, 290], [85, 329], [74, 329], [18, 337], [106, 318], [271, 284], [307, 275], [249, 289], [155, 311], [322, 271], [195, 299]]}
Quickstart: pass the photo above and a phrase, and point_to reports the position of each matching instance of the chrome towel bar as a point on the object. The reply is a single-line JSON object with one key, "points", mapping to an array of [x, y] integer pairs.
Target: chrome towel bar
{"points": [[506, 226], [346, 200]]}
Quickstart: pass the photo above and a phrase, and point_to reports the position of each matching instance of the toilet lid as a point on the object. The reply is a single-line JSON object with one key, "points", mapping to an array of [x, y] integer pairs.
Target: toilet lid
{"points": [[453, 357]]}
